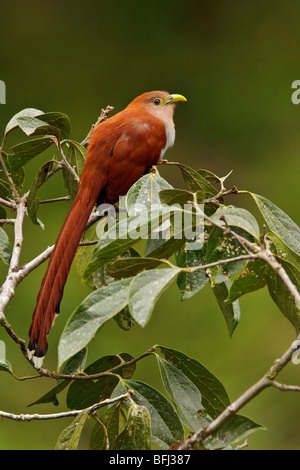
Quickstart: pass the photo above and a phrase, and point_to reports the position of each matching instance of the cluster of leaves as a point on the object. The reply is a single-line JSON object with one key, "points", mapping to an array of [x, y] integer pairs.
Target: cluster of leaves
{"points": [[128, 276]]}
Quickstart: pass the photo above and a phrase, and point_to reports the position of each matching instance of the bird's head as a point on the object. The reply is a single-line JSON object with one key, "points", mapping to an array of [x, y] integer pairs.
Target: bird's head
{"points": [[161, 104]]}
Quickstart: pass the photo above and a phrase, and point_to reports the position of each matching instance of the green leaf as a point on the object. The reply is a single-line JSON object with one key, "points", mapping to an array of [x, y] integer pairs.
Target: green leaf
{"points": [[34, 126], [184, 394], [277, 247], [221, 246], [184, 225], [131, 266], [73, 366], [214, 396], [28, 112], [145, 289], [208, 175], [24, 152], [75, 156], [58, 120], [231, 311], [166, 427], [113, 422], [281, 295], [145, 193], [84, 393], [195, 181], [69, 438], [190, 283], [176, 196], [124, 319], [234, 430], [163, 248], [279, 223], [5, 190], [137, 433], [32, 200], [123, 235], [5, 366], [96, 309], [2, 213], [17, 176], [237, 217], [5, 247], [253, 277], [84, 253]]}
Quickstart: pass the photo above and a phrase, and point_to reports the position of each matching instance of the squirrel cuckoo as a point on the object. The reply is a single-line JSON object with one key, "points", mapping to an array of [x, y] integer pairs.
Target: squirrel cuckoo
{"points": [[120, 150]]}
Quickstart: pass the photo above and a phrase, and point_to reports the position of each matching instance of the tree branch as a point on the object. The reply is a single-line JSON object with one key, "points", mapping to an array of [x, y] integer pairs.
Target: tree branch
{"points": [[266, 381], [11, 281], [65, 414], [65, 160], [104, 113]]}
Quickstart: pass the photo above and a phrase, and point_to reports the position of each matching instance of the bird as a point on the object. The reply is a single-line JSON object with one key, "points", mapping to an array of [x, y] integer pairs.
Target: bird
{"points": [[121, 149]]}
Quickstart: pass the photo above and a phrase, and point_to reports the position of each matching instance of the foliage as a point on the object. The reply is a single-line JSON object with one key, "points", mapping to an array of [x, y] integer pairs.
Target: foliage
{"points": [[229, 252]]}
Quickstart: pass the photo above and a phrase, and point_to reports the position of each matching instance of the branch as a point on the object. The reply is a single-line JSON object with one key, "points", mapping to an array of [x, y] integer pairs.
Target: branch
{"points": [[65, 414], [266, 381], [65, 160], [56, 199], [11, 281], [286, 388], [104, 113], [7, 221], [57, 376], [11, 205]]}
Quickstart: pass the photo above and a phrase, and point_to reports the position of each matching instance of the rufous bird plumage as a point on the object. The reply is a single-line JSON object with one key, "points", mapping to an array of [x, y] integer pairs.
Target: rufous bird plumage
{"points": [[120, 150]]}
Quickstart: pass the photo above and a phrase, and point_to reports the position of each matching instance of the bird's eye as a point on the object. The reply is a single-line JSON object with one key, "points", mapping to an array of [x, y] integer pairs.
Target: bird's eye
{"points": [[157, 101]]}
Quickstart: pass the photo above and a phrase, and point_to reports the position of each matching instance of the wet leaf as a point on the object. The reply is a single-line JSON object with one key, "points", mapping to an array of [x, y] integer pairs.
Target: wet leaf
{"points": [[231, 311], [184, 393], [145, 289], [96, 309], [253, 277], [69, 438], [5, 247], [214, 396], [28, 112], [281, 295], [279, 223], [137, 433], [24, 152], [237, 217], [166, 427]]}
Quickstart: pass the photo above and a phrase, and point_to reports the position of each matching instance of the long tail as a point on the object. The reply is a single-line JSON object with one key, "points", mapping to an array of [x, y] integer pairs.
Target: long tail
{"points": [[59, 265]]}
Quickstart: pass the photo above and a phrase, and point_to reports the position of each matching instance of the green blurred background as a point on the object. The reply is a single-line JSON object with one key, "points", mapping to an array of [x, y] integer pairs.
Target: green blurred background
{"points": [[235, 62]]}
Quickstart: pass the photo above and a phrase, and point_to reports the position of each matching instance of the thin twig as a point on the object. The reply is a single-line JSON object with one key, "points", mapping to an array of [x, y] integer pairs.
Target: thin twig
{"points": [[285, 388], [191, 269], [65, 160], [7, 221], [57, 376], [56, 199], [65, 414], [11, 205], [104, 113]]}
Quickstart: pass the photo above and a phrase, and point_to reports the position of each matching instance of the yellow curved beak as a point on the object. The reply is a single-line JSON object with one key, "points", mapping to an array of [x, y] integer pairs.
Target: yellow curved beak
{"points": [[174, 98]]}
